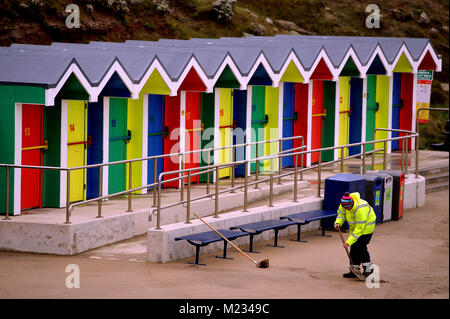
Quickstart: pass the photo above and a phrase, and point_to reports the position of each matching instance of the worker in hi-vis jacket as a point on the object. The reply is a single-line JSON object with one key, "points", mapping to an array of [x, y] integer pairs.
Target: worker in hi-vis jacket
{"points": [[361, 220]]}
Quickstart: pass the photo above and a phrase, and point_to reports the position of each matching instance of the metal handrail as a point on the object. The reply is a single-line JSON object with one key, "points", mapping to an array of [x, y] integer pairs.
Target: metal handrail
{"points": [[417, 130], [271, 157], [69, 206], [210, 168]]}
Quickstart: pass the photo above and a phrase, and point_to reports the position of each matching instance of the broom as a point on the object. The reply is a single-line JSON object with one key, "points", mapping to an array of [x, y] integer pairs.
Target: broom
{"points": [[354, 270], [262, 264]]}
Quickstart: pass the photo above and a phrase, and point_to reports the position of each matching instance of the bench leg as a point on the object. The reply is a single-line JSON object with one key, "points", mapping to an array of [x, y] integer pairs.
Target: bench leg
{"points": [[250, 250], [323, 230], [197, 253], [299, 226], [275, 244], [225, 245]]}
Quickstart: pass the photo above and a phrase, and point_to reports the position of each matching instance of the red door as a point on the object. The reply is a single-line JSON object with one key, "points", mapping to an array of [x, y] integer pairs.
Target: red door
{"points": [[172, 141], [406, 94], [301, 124], [32, 139], [316, 123], [193, 131]]}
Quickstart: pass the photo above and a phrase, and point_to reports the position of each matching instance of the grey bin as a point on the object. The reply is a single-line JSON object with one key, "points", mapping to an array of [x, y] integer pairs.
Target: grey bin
{"points": [[387, 194]]}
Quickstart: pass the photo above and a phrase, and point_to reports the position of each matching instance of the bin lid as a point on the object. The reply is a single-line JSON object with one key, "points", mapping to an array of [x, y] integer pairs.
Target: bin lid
{"points": [[371, 177], [350, 177], [387, 177], [392, 172]]}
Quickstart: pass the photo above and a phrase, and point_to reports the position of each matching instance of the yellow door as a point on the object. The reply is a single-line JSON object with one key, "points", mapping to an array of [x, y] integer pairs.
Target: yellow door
{"points": [[344, 109], [76, 147], [271, 127], [226, 129]]}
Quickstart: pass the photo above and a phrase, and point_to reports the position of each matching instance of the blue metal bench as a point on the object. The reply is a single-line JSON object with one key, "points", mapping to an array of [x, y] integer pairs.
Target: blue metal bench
{"points": [[304, 218], [208, 237], [258, 227]]}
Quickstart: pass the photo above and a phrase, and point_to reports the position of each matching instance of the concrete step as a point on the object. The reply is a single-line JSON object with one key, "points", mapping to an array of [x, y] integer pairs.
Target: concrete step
{"points": [[436, 178], [436, 187], [426, 171]]}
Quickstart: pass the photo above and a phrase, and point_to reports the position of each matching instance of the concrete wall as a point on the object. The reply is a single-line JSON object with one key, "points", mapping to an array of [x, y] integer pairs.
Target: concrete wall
{"points": [[414, 191], [60, 239], [162, 247], [70, 239]]}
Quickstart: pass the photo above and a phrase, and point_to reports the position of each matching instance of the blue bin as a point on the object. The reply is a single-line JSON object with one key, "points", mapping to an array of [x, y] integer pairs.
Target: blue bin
{"points": [[374, 194], [335, 187]]}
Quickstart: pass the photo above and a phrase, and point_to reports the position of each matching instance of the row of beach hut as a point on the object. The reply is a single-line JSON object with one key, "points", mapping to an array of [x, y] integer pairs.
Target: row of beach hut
{"points": [[70, 105]]}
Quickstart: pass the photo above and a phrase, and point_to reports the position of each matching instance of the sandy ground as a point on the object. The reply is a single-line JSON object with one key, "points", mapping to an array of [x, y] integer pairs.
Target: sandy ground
{"points": [[412, 255]]}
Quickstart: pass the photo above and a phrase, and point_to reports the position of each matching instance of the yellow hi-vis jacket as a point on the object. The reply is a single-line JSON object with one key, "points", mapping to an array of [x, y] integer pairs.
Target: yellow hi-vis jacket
{"points": [[361, 218]]}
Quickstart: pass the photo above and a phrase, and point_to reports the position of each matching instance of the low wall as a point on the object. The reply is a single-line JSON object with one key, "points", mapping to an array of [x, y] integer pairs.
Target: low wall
{"points": [[70, 239], [414, 191], [162, 247]]}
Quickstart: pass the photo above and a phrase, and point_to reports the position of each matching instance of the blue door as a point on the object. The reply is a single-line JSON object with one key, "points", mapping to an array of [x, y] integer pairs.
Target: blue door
{"points": [[95, 146], [396, 104], [288, 121], [356, 97], [240, 116], [156, 135]]}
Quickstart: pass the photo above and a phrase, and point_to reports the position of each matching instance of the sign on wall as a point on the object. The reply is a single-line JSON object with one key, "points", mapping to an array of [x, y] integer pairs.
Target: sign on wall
{"points": [[424, 79]]}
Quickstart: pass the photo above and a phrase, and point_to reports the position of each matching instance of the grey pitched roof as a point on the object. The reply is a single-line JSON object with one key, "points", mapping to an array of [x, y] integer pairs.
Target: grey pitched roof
{"points": [[45, 65]]}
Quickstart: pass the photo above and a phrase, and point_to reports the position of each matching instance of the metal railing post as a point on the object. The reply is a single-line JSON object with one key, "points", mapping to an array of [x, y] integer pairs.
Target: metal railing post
{"points": [[373, 156], [319, 175], [7, 193], [279, 162], [216, 196], [130, 186], [271, 184], [245, 186], [67, 197], [155, 172], [364, 159], [403, 156], [158, 210], [342, 159], [100, 191], [257, 167], [417, 157], [301, 164], [295, 179], [385, 155], [182, 179], [188, 199], [406, 156], [233, 158], [208, 173]]}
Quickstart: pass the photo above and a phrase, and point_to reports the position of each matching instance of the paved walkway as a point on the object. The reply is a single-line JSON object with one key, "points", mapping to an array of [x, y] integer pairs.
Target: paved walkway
{"points": [[412, 255]]}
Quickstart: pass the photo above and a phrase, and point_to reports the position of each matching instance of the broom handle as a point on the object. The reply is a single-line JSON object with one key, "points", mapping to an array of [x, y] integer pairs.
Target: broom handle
{"points": [[346, 249], [225, 239]]}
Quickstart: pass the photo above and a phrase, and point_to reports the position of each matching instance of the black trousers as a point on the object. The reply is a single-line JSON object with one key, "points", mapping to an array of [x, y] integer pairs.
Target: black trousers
{"points": [[359, 252]]}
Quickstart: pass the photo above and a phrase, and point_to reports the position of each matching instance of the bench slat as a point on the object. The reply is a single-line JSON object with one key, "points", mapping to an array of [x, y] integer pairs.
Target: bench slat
{"points": [[263, 225], [211, 236], [306, 217]]}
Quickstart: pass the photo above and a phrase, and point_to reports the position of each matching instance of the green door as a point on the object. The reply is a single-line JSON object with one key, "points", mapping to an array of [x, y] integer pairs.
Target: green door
{"points": [[258, 124], [118, 138], [371, 109], [207, 141], [329, 100]]}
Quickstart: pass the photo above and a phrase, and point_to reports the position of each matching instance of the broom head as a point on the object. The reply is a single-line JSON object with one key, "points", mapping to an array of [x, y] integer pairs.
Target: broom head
{"points": [[263, 263]]}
